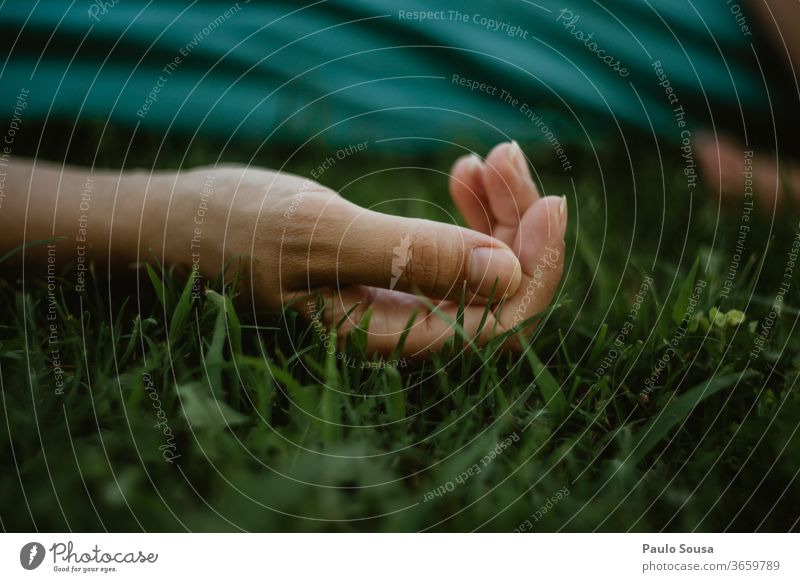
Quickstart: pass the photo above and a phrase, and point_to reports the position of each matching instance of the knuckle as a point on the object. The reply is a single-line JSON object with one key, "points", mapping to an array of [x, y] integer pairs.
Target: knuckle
{"points": [[425, 253], [437, 262]]}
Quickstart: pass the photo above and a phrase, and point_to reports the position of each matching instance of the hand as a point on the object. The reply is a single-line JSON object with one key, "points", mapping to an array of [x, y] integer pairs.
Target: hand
{"points": [[304, 241]]}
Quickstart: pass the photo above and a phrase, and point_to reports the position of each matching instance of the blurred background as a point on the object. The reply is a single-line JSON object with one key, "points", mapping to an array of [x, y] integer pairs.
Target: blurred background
{"points": [[415, 75]]}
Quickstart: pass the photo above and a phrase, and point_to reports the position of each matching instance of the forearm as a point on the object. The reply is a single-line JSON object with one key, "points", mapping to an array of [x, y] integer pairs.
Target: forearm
{"points": [[46, 201], [108, 215]]}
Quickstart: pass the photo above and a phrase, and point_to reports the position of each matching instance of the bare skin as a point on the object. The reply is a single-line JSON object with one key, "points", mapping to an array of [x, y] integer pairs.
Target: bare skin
{"points": [[726, 169], [296, 240], [722, 157]]}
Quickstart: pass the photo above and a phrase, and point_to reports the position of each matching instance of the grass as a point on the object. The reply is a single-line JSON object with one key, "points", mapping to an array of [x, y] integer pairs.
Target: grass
{"points": [[642, 406]]}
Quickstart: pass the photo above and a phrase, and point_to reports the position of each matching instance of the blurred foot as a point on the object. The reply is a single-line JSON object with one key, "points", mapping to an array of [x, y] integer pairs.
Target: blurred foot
{"points": [[732, 171]]}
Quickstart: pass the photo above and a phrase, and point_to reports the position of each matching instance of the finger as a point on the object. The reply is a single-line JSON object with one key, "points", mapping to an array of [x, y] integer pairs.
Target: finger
{"points": [[541, 238], [508, 183], [468, 193], [362, 247], [391, 312]]}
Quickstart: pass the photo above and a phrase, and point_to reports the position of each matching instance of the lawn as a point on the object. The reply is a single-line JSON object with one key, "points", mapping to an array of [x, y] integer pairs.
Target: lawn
{"points": [[660, 392]]}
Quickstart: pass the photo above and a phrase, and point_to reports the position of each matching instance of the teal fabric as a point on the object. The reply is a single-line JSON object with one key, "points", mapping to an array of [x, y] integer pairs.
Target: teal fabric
{"points": [[344, 71]]}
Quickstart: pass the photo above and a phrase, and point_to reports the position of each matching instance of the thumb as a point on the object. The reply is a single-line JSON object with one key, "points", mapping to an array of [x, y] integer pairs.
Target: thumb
{"points": [[408, 254]]}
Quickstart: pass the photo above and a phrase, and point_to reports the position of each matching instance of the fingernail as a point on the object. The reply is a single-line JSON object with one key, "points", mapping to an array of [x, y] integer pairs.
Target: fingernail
{"points": [[474, 162], [518, 158], [562, 215], [488, 265]]}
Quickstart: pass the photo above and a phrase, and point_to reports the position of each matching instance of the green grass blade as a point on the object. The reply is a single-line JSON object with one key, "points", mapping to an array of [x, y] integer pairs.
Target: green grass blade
{"points": [[181, 310], [685, 294], [30, 245], [214, 358], [679, 408], [554, 398], [158, 285]]}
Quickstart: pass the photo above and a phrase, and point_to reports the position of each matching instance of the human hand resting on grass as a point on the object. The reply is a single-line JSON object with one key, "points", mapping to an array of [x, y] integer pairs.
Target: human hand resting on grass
{"points": [[296, 240]]}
